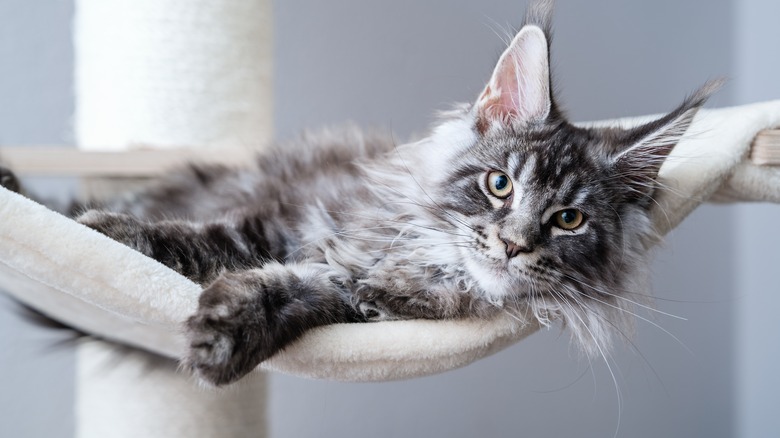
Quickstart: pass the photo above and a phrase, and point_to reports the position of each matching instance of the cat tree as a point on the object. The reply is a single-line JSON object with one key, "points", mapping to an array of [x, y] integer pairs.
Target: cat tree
{"points": [[197, 72]]}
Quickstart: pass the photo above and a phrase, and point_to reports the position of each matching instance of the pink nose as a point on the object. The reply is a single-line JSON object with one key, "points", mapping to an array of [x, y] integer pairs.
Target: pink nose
{"points": [[513, 249]]}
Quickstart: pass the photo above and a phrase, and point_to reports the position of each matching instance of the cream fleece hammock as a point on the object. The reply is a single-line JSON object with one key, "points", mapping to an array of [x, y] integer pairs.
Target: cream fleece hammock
{"points": [[97, 285]]}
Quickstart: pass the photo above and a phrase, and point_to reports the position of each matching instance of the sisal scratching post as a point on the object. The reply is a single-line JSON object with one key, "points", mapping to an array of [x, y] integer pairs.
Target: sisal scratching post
{"points": [[125, 393], [168, 74], [172, 73]]}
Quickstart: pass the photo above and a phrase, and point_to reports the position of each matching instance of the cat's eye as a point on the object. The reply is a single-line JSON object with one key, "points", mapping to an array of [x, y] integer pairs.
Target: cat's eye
{"points": [[499, 184], [569, 219]]}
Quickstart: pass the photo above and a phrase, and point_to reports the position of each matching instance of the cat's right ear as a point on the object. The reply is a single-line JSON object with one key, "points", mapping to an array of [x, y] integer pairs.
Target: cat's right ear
{"points": [[519, 90]]}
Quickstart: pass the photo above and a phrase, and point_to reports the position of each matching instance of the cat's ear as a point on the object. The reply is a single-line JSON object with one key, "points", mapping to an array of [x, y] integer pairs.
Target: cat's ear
{"points": [[519, 89], [641, 151]]}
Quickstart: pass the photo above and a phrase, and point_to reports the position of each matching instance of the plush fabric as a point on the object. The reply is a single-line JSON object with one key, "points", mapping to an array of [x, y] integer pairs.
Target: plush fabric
{"points": [[84, 279]]}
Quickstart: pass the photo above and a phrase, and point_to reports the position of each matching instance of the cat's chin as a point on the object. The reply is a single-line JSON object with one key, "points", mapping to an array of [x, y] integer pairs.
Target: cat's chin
{"points": [[494, 280]]}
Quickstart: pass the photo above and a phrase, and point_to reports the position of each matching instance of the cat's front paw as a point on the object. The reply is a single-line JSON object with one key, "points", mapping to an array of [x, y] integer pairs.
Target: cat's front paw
{"points": [[228, 336]]}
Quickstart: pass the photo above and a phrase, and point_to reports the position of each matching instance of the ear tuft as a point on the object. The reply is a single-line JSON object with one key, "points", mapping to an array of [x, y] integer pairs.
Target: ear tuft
{"points": [[642, 150], [539, 13]]}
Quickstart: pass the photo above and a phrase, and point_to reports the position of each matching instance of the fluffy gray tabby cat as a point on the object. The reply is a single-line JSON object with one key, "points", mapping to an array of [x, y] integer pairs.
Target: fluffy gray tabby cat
{"points": [[504, 207]]}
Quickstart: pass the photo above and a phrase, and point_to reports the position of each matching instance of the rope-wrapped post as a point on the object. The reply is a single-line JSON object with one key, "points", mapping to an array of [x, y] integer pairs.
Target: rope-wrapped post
{"points": [[172, 74]]}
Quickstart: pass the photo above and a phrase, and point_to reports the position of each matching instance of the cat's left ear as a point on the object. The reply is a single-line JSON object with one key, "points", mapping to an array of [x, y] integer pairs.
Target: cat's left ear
{"points": [[641, 151], [519, 89]]}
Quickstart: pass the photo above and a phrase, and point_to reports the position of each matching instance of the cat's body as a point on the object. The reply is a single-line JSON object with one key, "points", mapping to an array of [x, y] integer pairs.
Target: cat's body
{"points": [[320, 217], [504, 207]]}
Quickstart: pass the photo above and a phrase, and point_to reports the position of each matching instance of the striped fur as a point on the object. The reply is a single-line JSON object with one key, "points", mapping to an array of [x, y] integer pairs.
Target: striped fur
{"points": [[346, 226]]}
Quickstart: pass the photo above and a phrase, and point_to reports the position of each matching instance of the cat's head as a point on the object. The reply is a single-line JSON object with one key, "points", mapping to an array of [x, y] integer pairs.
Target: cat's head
{"points": [[557, 216]]}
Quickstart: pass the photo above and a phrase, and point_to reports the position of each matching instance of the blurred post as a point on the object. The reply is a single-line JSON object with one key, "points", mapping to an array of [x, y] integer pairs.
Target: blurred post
{"points": [[170, 74]]}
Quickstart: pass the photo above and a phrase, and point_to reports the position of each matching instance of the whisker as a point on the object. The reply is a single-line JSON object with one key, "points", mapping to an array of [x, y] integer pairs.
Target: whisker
{"points": [[609, 368], [627, 338], [604, 292], [643, 319], [590, 361]]}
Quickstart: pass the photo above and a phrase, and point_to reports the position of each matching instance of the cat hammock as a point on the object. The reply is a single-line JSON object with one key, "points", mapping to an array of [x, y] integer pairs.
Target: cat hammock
{"points": [[97, 285]]}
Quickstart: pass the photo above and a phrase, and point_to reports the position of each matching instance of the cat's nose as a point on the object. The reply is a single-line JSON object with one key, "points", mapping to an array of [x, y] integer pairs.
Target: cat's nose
{"points": [[513, 248]]}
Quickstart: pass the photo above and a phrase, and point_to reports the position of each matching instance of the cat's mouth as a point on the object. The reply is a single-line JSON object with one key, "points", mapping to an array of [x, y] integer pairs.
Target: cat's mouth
{"points": [[504, 277]]}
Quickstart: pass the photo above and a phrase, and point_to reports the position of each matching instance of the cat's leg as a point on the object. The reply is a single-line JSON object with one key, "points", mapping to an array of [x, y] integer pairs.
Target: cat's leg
{"points": [[437, 300], [198, 251], [246, 317]]}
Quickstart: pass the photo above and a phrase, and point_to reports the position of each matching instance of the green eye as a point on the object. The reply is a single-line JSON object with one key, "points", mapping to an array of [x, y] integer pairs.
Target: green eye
{"points": [[499, 184], [569, 219]]}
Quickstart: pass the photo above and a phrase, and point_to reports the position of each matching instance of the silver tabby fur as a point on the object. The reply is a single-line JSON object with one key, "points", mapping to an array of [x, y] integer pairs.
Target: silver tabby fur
{"points": [[346, 226]]}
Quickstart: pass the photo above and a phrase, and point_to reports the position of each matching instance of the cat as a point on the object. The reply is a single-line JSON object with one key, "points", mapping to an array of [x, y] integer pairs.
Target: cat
{"points": [[504, 207]]}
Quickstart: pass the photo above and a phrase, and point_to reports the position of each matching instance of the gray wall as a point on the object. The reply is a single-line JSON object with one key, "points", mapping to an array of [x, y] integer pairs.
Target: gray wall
{"points": [[36, 103], [391, 64], [758, 350]]}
